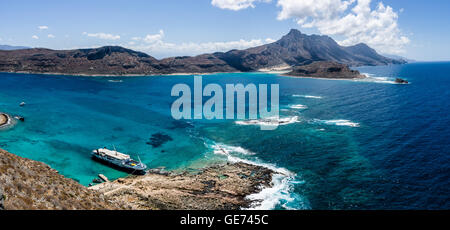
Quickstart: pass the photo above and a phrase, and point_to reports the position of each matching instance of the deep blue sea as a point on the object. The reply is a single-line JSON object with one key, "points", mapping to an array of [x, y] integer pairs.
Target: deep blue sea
{"points": [[367, 144]]}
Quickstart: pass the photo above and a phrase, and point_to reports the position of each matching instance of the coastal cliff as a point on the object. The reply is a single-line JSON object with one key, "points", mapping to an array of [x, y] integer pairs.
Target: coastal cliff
{"points": [[26, 185], [293, 49]]}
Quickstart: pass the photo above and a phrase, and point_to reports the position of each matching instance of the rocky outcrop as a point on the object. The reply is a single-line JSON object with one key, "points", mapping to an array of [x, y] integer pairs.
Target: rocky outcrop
{"points": [[401, 81], [221, 187], [329, 70], [293, 49], [27, 184], [3, 119]]}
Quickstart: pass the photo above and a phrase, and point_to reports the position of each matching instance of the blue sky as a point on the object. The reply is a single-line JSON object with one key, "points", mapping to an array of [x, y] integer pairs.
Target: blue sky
{"points": [[415, 29]]}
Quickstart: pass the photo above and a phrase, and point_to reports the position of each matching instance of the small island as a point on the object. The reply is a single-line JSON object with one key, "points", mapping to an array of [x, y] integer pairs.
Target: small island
{"points": [[325, 69]]}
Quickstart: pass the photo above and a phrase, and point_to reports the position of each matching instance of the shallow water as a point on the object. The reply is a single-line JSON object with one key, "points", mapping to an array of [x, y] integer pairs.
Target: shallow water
{"points": [[364, 144]]}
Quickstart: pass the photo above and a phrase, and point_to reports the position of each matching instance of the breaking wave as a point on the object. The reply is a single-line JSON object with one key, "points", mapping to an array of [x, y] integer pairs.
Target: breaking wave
{"points": [[374, 79], [298, 106], [10, 122], [280, 193], [308, 96], [339, 123], [270, 121]]}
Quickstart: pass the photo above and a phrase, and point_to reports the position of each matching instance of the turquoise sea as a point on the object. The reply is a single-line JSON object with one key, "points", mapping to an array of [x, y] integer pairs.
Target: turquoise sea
{"points": [[367, 144]]}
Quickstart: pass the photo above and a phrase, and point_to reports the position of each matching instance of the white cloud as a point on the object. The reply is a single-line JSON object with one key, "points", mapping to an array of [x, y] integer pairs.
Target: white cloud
{"points": [[150, 38], [235, 4], [354, 20], [102, 36], [155, 37], [35, 37], [270, 40], [43, 27], [51, 36], [155, 45]]}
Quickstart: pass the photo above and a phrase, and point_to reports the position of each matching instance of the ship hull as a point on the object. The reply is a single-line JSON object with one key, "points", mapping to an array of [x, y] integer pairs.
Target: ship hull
{"points": [[118, 165]]}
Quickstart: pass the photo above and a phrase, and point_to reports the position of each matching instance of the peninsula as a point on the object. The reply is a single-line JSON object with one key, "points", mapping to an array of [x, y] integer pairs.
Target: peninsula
{"points": [[26, 184], [293, 49]]}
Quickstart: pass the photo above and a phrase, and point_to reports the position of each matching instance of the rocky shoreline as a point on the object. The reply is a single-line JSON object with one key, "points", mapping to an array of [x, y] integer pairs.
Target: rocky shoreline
{"points": [[26, 185], [4, 120], [220, 187]]}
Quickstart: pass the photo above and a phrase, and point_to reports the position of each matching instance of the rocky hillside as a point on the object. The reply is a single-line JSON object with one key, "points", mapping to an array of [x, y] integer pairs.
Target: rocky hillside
{"points": [[293, 49], [296, 49], [27, 184]]}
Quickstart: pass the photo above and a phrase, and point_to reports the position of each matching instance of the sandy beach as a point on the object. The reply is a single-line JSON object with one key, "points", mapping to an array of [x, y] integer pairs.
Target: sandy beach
{"points": [[4, 119]]}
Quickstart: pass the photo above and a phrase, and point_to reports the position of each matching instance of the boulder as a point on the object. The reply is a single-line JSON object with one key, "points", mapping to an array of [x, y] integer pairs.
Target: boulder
{"points": [[401, 81]]}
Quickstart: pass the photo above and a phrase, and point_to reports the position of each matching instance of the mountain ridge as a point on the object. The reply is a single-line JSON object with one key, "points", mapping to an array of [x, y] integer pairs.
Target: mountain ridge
{"points": [[8, 47], [293, 49]]}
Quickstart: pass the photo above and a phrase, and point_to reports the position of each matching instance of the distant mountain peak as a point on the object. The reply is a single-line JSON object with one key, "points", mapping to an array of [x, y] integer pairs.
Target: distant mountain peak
{"points": [[8, 47], [294, 32], [293, 49]]}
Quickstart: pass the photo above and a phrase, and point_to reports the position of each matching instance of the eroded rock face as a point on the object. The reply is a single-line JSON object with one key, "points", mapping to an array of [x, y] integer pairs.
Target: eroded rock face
{"points": [[220, 187], [323, 69]]}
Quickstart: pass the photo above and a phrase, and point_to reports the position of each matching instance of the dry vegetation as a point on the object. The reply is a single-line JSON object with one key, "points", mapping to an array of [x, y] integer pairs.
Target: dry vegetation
{"points": [[27, 184]]}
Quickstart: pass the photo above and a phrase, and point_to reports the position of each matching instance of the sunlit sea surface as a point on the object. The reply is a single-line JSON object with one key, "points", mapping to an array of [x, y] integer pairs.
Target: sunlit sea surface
{"points": [[367, 144]]}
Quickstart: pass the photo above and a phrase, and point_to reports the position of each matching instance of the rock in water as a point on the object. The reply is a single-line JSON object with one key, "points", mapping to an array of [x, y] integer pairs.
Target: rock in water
{"points": [[22, 119], [401, 81], [159, 139]]}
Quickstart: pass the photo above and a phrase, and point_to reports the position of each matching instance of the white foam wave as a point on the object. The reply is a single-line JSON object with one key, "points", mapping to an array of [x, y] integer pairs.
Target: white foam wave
{"points": [[374, 79], [270, 121], [226, 149], [308, 96], [298, 106], [115, 81], [9, 123], [269, 197], [340, 123]]}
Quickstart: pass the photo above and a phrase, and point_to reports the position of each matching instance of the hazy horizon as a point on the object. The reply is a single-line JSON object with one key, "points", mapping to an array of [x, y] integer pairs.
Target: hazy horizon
{"points": [[410, 29]]}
